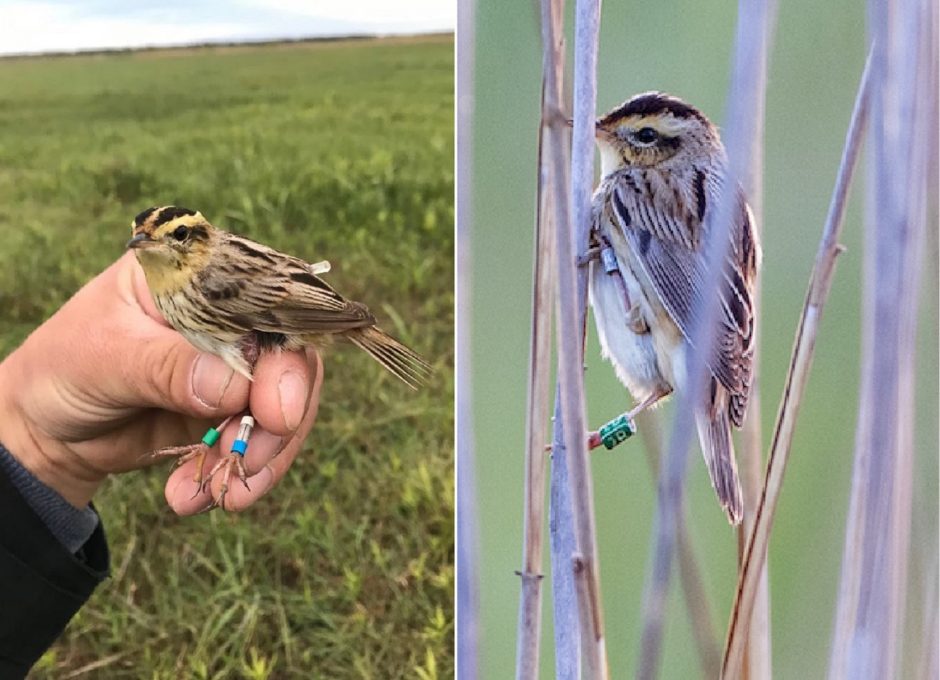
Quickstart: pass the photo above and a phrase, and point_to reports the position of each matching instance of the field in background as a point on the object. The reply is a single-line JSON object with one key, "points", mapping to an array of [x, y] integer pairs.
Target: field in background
{"points": [[684, 48], [339, 151]]}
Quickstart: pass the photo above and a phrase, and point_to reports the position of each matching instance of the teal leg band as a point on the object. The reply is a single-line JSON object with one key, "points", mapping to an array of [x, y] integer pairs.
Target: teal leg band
{"points": [[211, 437], [616, 431]]}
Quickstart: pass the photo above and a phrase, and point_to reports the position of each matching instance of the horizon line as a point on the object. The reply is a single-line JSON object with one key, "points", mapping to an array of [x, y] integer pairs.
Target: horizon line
{"points": [[91, 51]]}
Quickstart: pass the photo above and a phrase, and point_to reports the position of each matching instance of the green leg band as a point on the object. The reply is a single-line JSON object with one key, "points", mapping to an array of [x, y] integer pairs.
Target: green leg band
{"points": [[211, 437], [616, 431]]}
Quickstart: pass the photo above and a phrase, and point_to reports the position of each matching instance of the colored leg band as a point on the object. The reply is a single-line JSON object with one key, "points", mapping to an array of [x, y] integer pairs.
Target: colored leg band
{"points": [[211, 437], [618, 430], [609, 260], [239, 446]]}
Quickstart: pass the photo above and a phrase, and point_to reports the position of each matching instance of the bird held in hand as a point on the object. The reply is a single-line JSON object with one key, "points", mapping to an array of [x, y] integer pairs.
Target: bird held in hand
{"points": [[236, 298], [662, 167]]}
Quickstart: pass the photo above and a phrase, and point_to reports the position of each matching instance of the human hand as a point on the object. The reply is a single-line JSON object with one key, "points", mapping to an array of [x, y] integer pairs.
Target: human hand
{"points": [[105, 380]]}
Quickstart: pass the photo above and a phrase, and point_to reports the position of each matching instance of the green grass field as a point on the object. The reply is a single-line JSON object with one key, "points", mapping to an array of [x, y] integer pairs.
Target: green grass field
{"points": [[342, 151]]}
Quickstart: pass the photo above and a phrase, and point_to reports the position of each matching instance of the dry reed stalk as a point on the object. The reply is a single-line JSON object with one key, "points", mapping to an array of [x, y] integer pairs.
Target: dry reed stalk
{"points": [[563, 547], [562, 525], [873, 583], [585, 563], [801, 360], [467, 652], [530, 603], [561, 522], [572, 230], [742, 112], [758, 659], [576, 587]]}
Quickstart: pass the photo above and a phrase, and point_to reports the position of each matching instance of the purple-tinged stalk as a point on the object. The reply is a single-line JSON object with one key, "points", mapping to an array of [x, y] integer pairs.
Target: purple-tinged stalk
{"points": [[755, 556], [528, 637], [576, 584], [758, 660], [873, 584], [468, 600], [650, 428], [744, 104]]}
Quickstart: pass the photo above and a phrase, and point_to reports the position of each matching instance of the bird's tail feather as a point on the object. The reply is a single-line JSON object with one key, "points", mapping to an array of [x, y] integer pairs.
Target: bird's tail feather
{"points": [[400, 361], [715, 436]]}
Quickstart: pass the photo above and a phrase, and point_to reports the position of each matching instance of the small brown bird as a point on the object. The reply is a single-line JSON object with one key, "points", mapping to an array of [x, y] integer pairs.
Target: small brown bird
{"points": [[662, 164], [236, 298]]}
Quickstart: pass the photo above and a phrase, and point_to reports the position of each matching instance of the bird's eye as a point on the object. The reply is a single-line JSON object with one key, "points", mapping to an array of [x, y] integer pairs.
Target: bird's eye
{"points": [[646, 135], [180, 233]]}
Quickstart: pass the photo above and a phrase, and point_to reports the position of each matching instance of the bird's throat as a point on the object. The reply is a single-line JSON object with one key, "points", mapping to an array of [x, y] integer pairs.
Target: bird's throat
{"points": [[164, 274]]}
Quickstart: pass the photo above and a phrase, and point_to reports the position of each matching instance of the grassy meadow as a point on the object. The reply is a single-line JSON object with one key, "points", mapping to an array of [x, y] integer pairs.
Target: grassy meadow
{"points": [[335, 150], [684, 48]]}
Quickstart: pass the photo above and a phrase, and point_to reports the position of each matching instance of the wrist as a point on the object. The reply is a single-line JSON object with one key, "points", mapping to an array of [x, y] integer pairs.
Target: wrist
{"points": [[51, 462]]}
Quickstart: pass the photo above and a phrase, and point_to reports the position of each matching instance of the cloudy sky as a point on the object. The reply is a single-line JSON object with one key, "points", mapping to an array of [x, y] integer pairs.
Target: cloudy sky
{"points": [[66, 25]]}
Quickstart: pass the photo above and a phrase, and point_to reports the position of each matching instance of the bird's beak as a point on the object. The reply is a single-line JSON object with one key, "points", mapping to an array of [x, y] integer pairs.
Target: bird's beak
{"points": [[141, 241], [600, 132]]}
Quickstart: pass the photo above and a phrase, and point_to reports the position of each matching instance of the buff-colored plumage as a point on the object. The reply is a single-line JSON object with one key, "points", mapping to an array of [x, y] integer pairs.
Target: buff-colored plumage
{"points": [[662, 164], [236, 298]]}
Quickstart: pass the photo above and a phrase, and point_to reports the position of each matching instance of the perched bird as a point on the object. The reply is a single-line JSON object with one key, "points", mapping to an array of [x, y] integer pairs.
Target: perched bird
{"points": [[236, 298], [662, 166]]}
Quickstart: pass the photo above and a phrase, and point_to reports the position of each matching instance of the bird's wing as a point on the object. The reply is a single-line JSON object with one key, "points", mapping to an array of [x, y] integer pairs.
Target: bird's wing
{"points": [[262, 289], [668, 247]]}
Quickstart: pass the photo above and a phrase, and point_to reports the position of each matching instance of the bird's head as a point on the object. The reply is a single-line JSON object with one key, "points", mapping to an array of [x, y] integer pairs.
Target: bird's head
{"points": [[170, 238], [654, 128]]}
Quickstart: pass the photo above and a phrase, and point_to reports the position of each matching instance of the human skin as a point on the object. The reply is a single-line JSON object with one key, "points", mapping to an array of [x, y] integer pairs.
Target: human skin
{"points": [[105, 381]]}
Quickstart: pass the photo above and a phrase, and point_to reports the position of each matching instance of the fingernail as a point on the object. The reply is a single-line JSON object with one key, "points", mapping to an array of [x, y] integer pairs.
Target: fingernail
{"points": [[211, 377], [292, 389], [265, 480]]}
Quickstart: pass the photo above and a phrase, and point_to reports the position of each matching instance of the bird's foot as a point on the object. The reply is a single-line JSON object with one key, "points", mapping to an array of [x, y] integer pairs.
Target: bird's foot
{"points": [[234, 460], [189, 452], [592, 442], [229, 462], [184, 454], [588, 256]]}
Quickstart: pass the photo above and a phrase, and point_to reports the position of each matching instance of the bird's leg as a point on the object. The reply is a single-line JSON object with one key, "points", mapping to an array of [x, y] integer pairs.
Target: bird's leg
{"points": [[250, 346], [622, 427], [635, 321], [191, 451], [657, 396], [233, 460], [591, 254]]}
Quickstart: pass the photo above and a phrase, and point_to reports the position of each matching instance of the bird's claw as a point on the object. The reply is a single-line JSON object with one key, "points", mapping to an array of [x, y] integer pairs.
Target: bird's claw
{"points": [[593, 441], [588, 256], [184, 454], [228, 462]]}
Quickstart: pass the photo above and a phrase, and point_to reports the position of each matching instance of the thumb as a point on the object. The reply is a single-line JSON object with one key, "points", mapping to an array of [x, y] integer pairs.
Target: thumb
{"points": [[169, 373], [140, 362]]}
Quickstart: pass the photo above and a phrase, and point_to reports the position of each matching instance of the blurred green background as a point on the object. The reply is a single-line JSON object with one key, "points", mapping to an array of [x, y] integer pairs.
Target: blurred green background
{"points": [[685, 48], [335, 150]]}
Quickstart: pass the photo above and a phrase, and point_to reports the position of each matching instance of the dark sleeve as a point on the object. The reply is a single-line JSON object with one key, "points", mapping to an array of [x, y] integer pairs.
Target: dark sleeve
{"points": [[42, 583]]}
